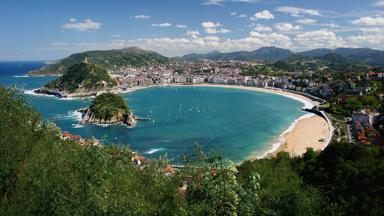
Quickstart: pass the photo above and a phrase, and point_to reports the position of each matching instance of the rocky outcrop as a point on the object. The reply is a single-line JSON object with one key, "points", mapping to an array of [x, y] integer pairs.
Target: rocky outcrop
{"points": [[50, 92], [120, 118], [79, 93]]}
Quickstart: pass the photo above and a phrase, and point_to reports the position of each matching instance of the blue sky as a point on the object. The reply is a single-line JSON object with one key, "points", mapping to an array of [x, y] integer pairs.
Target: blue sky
{"points": [[47, 30]]}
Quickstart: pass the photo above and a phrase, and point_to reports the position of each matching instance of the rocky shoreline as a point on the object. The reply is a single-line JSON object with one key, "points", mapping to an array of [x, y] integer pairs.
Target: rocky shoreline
{"points": [[64, 94], [87, 117]]}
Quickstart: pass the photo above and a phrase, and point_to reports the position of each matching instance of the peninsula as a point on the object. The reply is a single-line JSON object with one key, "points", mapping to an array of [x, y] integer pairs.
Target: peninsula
{"points": [[79, 80], [108, 108]]}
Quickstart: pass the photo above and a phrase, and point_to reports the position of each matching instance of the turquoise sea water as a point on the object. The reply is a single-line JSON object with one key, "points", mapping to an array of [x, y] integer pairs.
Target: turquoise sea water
{"points": [[234, 122]]}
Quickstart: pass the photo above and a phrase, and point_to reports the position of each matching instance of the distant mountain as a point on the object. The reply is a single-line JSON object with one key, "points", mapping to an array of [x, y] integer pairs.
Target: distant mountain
{"points": [[331, 61], [361, 55], [315, 52], [108, 59], [264, 53]]}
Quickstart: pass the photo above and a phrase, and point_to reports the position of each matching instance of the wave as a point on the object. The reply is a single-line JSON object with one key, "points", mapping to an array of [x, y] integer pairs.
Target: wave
{"points": [[70, 115], [32, 92], [306, 102], [77, 125], [76, 98], [19, 76], [154, 150]]}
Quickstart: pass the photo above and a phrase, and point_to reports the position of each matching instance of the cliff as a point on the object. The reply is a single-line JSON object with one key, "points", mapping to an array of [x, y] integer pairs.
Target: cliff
{"points": [[88, 117]]}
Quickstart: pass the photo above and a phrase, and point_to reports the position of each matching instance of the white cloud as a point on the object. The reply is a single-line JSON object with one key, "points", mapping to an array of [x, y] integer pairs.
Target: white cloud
{"points": [[247, 1], [142, 16], [86, 25], [217, 31], [213, 28], [265, 14], [369, 21], [262, 28], [287, 27], [369, 37], [115, 36], [306, 21], [272, 39], [297, 12], [223, 31], [162, 24], [180, 46], [373, 38], [318, 39], [379, 3], [331, 25], [220, 2], [214, 2], [373, 30], [210, 24], [234, 13], [193, 34], [181, 26]]}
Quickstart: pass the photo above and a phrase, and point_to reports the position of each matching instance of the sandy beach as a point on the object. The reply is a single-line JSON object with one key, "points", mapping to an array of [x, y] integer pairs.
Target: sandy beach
{"points": [[309, 131]]}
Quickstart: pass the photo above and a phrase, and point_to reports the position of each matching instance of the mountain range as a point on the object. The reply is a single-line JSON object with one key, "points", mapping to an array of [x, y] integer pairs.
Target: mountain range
{"points": [[358, 55], [133, 56]]}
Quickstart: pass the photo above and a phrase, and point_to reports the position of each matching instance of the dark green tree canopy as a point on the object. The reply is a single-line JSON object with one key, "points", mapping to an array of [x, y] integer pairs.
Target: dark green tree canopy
{"points": [[83, 74], [106, 105]]}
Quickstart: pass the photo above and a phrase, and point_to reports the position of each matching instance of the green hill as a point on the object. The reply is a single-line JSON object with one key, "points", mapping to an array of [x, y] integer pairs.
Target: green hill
{"points": [[82, 76], [107, 59], [108, 104], [331, 61], [263, 53]]}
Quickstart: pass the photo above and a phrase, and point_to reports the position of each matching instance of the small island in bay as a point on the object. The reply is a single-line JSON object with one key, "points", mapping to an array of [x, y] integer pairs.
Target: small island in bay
{"points": [[79, 80], [108, 108]]}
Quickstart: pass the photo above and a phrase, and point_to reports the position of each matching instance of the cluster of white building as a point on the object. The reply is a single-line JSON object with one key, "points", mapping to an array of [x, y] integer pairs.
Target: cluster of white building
{"points": [[214, 73]]}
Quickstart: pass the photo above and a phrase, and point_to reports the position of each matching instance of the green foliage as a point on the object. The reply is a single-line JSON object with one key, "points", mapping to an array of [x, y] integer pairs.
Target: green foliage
{"points": [[44, 175], [108, 59], [214, 192], [85, 75], [354, 103], [282, 192], [351, 176], [260, 70], [283, 66], [107, 105]]}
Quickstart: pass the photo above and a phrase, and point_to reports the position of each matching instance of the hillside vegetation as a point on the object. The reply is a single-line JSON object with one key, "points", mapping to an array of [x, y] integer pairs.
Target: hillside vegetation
{"points": [[108, 59], [44, 175], [106, 105], [82, 75]]}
